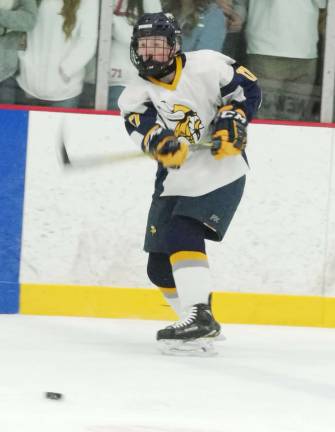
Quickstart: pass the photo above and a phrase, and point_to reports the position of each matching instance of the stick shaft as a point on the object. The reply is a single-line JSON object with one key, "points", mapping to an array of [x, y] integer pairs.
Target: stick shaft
{"points": [[100, 160]]}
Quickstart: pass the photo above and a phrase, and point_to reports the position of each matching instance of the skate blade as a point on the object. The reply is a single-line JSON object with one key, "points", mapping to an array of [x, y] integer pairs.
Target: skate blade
{"points": [[201, 347], [220, 338]]}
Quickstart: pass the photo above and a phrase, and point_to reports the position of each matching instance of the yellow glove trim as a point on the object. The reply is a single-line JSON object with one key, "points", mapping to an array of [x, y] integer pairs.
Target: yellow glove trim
{"points": [[172, 160], [226, 108], [227, 148], [231, 108]]}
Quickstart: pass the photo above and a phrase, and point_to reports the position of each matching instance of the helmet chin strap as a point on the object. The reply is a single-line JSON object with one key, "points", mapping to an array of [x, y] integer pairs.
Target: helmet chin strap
{"points": [[166, 71]]}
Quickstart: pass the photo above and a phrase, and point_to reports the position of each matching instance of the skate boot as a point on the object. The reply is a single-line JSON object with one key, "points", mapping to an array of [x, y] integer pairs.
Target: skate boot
{"points": [[193, 334]]}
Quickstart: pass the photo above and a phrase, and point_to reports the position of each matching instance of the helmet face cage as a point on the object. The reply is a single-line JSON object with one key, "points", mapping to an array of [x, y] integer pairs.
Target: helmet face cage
{"points": [[155, 24]]}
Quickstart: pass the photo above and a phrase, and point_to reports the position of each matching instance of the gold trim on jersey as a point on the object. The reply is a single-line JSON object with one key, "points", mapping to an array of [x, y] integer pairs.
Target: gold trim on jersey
{"points": [[173, 85], [134, 119], [148, 136]]}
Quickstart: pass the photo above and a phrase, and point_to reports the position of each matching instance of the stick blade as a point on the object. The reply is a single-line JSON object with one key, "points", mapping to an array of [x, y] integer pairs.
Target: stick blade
{"points": [[64, 155]]}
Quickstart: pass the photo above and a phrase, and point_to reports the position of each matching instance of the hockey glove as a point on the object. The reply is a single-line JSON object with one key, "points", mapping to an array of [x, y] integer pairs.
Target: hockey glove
{"points": [[165, 148], [230, 132]]}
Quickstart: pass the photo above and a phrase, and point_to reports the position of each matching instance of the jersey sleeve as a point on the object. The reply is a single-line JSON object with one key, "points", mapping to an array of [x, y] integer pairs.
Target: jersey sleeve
{"points": [[240, 86], [140, 116]]}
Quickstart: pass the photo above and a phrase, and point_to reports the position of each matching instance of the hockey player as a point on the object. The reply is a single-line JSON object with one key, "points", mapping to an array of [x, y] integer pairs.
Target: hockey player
{"points": [[179, 104]]}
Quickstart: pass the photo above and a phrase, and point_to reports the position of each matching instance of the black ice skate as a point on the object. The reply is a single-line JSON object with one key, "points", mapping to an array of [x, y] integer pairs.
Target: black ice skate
{"points": [[194, 334]]}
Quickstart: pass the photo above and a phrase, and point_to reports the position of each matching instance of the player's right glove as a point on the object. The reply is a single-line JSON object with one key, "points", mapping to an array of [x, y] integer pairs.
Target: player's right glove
{"points": [[230, 132], [164, 146]]}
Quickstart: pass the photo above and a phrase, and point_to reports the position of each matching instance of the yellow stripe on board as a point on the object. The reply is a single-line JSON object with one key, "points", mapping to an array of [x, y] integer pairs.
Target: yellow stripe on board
{"points": [[146, 303], [92, 301], [274, 309], [187, 256]]}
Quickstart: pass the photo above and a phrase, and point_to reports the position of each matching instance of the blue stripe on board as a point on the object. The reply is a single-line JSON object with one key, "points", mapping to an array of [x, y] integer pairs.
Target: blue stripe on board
{"points": [[13, 144]]}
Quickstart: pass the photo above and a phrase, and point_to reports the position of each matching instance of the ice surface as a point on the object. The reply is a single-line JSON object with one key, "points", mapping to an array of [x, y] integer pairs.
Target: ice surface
{"points": [[265, 379]]}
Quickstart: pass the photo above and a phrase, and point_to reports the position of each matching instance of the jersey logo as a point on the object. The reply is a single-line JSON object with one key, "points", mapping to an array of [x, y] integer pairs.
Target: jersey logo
{"points": [[188, 123]]}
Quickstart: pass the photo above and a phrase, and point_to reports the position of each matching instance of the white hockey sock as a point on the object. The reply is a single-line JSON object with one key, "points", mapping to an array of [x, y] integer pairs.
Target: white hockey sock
{"points": [[172, 298], [192, 277]]}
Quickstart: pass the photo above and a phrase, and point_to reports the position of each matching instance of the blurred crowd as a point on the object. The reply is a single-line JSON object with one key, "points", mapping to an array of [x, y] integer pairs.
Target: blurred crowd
{"points": [[48, 48]]}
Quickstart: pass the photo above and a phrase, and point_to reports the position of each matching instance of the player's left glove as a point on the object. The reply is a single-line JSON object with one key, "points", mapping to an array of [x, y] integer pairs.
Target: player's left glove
{"points": [[230, 132]]}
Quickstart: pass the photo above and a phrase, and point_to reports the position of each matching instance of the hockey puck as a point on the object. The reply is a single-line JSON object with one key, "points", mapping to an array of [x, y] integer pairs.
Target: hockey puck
{"points": [[53, 395]]}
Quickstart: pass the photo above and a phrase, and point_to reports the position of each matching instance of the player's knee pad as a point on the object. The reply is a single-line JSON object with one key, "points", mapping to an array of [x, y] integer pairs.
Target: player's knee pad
{"points": [[185, 234], [159, 270]]}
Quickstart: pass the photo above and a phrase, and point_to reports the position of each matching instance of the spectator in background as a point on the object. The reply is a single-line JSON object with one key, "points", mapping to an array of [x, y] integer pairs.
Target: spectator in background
{"points": [[16, 18], [235, 21], [282, 38], [202, 23], [121, 70], [234, 44], [63, 41]]}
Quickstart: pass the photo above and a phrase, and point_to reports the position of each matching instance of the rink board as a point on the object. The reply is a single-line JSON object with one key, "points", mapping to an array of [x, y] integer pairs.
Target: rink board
{"points": [[142, 303], [77, 249], [13, 142]]}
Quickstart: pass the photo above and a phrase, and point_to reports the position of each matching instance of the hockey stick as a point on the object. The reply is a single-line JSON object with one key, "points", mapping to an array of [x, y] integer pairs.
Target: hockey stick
{"points": [[100, 160]]}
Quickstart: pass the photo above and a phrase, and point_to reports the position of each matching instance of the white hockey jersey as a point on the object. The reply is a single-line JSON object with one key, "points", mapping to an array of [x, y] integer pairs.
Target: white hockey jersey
{"points": [[204, 81]]}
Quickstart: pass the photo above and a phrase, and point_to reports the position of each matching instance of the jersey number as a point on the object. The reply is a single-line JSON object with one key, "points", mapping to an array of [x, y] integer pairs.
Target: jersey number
{"points": [[246, 72], [116, 73]]}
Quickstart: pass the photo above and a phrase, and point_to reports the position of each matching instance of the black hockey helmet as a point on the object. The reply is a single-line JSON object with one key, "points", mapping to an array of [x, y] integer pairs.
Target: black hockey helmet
{"points": [[155, 24]]}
